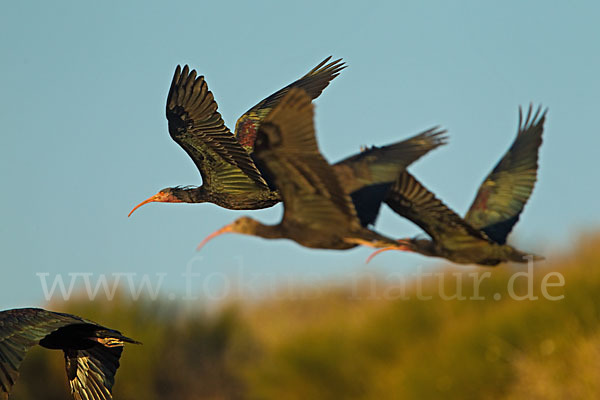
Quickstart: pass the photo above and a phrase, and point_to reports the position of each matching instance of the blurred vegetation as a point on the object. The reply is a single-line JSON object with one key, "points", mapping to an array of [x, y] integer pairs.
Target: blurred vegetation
{"points": [[358, 342]]}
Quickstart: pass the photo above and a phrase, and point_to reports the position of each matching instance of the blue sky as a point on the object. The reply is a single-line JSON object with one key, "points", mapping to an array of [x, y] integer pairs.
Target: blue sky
{"points": [[84, 137]]}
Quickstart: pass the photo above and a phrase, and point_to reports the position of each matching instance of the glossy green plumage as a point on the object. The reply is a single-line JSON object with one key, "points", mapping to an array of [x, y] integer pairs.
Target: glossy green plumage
{"points": [[91, 366], [480, 237], [504, 192], [318, 211], [313, 83], [196, 125], [230, 177], [309, 187]]}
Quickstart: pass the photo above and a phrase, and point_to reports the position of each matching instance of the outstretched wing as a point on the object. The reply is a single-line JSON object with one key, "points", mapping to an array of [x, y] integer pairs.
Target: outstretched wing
{"points": [[21, 329], [503, 194], [368, 175], [309, 187], [196, 125], [91, 372], [383, 164], [409, 198], [313, 83]]}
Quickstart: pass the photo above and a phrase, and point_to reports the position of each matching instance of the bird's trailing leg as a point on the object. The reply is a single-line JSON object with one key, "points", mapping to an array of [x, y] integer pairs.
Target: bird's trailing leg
{"points": [[403, 245]]}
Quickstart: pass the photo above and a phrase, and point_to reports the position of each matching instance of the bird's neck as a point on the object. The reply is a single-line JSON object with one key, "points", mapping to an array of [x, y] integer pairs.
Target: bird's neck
{"points": [[193, 195], [268, 231], [425, 247]]}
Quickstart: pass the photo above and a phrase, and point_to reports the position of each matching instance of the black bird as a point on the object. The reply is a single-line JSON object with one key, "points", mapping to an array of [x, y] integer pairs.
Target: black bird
{"points": [[91, 351], [479, 238], [230, 177], [318, 211]]}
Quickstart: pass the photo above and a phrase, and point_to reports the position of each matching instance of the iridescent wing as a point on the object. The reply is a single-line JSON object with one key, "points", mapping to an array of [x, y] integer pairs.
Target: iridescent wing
{"points": [[21, 329], [503, 194], [311, 192], [313, 83], [368, 175], [409, 198], [196, 125], [91, 372]]}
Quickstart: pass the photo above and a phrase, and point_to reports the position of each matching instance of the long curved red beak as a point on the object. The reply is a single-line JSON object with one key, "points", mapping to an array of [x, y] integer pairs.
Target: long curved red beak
{"points": [[225, 229], [160, 197], [403, 246]]}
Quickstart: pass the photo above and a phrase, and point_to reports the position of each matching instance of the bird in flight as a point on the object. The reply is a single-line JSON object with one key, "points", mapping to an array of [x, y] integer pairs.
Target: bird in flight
{"points": [[91, 351], [318, 211], [230, 176], [479, 237]]}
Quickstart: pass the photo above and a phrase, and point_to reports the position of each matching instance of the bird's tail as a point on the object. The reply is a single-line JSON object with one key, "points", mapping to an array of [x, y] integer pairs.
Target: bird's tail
{"points": [[522, 257]]}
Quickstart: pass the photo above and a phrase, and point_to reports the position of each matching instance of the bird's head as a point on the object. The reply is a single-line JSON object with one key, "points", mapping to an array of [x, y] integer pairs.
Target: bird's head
{"points": [[169, 195], [243, 225]]}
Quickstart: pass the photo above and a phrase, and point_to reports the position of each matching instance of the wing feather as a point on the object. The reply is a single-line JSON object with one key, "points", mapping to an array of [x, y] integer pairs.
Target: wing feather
{"points": [[91, 372], [310, 189], [368, 175], [21, 329], [196, 125], [313, 83], [409, 198], [505, 191]]}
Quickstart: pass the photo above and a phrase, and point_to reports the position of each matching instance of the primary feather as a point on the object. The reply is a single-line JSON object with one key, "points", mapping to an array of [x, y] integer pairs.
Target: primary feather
{"points": [[91, 350]]}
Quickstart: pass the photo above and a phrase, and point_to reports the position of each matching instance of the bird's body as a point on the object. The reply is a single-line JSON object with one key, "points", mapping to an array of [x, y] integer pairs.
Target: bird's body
{"points": [[318, 212], [231, 176], [239, 200], [479, 251], [480, 237], [320, 236], [92, 351]]}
